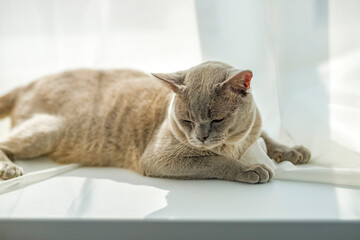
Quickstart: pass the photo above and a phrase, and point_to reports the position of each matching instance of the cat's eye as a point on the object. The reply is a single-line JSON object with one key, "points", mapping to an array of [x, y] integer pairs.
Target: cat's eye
{"points": [[218, 120], [187, 122]]}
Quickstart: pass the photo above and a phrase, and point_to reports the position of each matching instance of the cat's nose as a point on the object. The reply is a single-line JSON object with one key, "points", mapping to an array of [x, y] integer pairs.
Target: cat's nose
{"points": [[202, 138], [202, 131]]}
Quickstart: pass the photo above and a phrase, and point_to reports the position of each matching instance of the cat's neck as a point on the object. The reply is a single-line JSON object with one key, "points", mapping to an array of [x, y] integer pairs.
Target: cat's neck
{"points": [[173, 124]]}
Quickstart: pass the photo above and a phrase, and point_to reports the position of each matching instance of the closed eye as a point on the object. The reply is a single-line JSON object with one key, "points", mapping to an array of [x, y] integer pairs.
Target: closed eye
{"points": [[217, 120], [187, 122]]}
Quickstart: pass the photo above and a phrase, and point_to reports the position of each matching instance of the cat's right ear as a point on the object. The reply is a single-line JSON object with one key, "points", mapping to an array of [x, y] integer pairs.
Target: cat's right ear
{"points": [[238, 81], [173, 80]]}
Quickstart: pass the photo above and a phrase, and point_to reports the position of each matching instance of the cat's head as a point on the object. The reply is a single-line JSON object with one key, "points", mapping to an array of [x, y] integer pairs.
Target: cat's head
{"points": [[212, 103]]}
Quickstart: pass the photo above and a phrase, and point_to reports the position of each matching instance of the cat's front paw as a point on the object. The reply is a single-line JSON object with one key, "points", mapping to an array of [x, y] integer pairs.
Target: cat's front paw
{"points": [[9, 170], [296, 155], [257, 173]]}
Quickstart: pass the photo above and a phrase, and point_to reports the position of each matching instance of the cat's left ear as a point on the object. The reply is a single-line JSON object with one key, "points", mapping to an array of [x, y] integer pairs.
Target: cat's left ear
{"points": [[238, 80], [173, 80]]}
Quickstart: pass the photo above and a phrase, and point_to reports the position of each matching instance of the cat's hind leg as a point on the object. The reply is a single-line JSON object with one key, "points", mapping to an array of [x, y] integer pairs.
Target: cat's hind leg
{"points": [[280, 153], [34, 137]]}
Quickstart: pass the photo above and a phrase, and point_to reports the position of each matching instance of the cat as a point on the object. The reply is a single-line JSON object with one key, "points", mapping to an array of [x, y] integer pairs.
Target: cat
{"points": [[192, 124]]}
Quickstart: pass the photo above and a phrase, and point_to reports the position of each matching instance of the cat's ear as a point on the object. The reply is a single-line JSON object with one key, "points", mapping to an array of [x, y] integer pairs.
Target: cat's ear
{"points": [[238, 81], [173, 80]]}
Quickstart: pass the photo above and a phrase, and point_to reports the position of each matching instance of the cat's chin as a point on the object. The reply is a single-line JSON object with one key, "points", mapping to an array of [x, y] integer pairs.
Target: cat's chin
{"points": [[206, 145]]}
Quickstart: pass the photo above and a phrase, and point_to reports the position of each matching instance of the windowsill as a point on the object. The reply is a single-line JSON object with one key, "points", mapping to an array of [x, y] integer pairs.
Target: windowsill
{"points": [[112, 195]]}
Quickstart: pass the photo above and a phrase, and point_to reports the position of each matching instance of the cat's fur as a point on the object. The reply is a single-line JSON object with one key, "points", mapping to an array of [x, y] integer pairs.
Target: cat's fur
{"points": [[196, 127]]}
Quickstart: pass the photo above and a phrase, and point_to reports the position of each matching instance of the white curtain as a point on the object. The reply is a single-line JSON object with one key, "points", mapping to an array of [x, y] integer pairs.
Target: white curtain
{"points": [[305, 56]]}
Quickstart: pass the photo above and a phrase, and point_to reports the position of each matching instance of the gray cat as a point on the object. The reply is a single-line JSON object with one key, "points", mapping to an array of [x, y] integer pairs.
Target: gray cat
{"points": [[193, 124]]}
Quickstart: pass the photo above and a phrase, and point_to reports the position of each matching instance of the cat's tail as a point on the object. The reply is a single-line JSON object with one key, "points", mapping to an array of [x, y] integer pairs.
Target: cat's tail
{"points": [[7, 102]]}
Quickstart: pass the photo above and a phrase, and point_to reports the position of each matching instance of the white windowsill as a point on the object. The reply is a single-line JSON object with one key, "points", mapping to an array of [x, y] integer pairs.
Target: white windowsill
{"points": [[120, 199]]}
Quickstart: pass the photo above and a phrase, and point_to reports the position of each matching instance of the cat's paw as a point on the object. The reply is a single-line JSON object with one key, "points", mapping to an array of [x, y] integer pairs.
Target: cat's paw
{"points": [[9, 170], [257, 173], [296, 155]]}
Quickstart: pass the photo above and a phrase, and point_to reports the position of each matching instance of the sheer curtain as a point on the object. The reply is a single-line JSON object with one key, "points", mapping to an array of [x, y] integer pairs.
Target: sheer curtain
{"points": [[306, 63], [305, 56]]}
